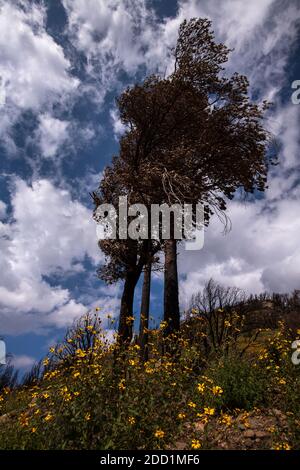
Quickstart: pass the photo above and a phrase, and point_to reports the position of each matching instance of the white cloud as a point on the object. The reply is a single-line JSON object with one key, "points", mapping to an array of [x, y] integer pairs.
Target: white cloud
{"points": [[66, 314], [23, 361], [114, 36], [260, 253], [117, 124], [261, 32], [284, 124], [107, 30], [2, 210], [48, 234], [52, 133], [34, 70]]}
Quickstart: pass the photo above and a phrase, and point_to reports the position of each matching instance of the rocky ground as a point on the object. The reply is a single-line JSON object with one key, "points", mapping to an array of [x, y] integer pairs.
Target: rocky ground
{"points": [[258, 429]]}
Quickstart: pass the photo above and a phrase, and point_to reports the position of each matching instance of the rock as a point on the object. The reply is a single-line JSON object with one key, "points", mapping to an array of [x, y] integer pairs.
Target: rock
{"points": [[254, 422], [278, 413], [180, 445], [199, 426], [262, 434], [5, 418]]}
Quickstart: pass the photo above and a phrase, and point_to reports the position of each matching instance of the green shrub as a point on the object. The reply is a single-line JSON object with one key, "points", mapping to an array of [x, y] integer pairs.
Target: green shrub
{"points": [[244, 384]]}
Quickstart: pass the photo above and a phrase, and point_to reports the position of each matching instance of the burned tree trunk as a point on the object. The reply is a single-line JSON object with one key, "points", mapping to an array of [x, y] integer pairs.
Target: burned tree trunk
{"points": [[171, 301], [131, 279], [126, 309], [144, 316]]}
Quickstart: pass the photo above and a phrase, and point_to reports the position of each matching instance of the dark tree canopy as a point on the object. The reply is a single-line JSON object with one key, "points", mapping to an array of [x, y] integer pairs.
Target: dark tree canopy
{"points": [[194, 136]]}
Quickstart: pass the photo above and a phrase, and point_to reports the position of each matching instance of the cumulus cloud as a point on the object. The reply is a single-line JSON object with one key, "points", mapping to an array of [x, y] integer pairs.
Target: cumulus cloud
{"points": [[118, 126], [260, 253], [23, 361], [48, 234], [52, 133], [106, 32], [263, 34], [35, 72], [55, 138], [2, 210]]}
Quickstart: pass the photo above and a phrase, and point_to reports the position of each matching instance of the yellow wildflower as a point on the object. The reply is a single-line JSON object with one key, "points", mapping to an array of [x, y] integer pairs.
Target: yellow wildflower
{"points": [[196, 444], [122, 385], [68, 397], [283, 446], [159, 434], [23, 420], [191, 404], [217, 390], [48, 417], [132, 362], [226, 419], [80, 353], [204, 419]]}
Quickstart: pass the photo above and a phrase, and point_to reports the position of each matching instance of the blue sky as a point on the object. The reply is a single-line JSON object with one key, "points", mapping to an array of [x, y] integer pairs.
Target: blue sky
{"points": [[62, 63]]}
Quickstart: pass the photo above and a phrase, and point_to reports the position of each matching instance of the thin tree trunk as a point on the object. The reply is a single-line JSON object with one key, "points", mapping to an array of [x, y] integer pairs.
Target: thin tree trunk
{"points": [[144, 316], [171, 300], [126, 310]]}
